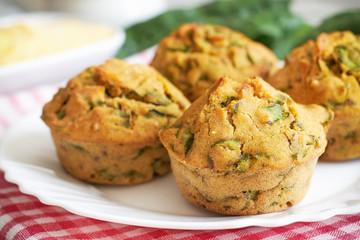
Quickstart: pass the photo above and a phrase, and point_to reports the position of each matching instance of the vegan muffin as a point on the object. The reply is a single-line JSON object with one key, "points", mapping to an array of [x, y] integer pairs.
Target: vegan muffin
{"points": [[196, 55], [245, 148], [327, 72], [105, 123]]}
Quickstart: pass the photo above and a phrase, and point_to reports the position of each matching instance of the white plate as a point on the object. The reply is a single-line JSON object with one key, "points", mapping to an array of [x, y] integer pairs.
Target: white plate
{"points": [[29, 160], [55, 67]]}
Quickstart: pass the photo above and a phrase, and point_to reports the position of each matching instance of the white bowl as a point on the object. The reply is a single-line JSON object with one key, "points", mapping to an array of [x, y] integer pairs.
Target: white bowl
{"points": [[55, 67]]}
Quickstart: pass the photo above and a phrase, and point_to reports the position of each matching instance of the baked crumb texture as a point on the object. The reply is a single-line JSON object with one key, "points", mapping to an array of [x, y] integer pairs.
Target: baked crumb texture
{"points": [[195, 55], [327, 72], [105, 123], [245, 148]]}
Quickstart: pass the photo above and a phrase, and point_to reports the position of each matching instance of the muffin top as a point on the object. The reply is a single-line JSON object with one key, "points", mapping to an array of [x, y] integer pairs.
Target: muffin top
{"points": [[325, 72], [247, 126], [196, 55], [114, 102]]}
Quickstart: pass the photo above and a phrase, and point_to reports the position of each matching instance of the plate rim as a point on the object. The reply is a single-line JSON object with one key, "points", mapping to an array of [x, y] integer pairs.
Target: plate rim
{"points": [[227, 222]]}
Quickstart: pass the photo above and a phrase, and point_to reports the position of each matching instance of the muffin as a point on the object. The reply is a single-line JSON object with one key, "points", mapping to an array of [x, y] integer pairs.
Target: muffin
{"points": [[245, 148], [327, 72], [105, 123], [196, 55]]}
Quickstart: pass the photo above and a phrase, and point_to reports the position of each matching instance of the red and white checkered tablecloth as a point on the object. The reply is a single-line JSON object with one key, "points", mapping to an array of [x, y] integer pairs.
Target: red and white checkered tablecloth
{"points": [[24, 217]]}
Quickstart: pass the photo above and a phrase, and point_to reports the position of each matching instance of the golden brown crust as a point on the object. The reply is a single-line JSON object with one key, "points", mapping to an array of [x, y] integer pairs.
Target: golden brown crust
{"points": [[196, 55], [241, 194], [327, 72], [112, 163], [237, 148], [117, 106], [245, 131], [106, 102]]}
